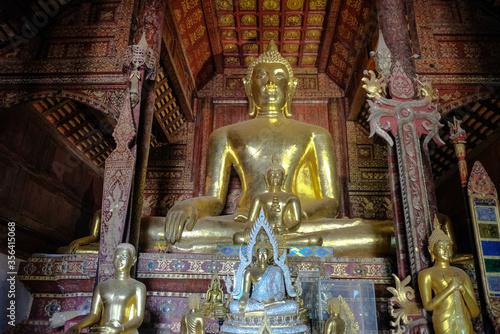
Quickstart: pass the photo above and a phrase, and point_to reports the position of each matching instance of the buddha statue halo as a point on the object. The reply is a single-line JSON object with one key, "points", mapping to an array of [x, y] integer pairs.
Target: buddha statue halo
{"points": [[246, 259]]}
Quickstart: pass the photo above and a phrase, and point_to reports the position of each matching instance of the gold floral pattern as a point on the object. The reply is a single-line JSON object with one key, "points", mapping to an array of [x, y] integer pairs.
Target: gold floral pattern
{"points": [[472, 50], [315, 20], [224, 5], [250, 48], [271, 5], [309, 60], [230, 48], [248, 5], [292, 60], [248, 20], [293, 20], [231, 60], [249, 34], [449, 50], [270, 34], [294, 4], [226, 20], [271, 20], [317, 4], [291, 47], [249, 59], [292, 34], [228, 34], [311, 47], [313, 34]]}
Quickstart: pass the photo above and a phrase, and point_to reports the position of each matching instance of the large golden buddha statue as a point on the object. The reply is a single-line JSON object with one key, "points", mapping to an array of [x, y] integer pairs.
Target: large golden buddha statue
{"points": [[307, 156]]}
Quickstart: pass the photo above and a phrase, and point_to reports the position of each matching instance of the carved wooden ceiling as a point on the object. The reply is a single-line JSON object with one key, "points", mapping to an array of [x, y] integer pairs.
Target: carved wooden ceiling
{"points": [[85, 128], [222, 35]]}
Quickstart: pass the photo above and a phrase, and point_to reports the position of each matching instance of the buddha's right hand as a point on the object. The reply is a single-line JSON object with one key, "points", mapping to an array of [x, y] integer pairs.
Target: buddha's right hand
{"points": [[181, 215]]}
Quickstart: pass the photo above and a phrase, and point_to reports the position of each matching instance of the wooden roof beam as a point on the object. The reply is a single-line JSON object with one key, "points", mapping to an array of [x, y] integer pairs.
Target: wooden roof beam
{"points": [[176, 65], [162, 126], [326, 45], [213, 34], [56, 107]]}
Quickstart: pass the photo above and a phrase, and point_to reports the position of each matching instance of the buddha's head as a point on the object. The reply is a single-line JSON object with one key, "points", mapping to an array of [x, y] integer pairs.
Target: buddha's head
{"points": [[270, 83], [275, 175], [124, 257], [215, 284], [440, 244], [263, 250], [333, 306], [194, 301]]}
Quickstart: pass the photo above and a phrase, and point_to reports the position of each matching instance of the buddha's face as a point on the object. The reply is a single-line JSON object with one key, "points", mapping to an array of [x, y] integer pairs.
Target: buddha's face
{"points": [[275, 177], [443, 250], [123, 259], [269, 86], [262, 255]]}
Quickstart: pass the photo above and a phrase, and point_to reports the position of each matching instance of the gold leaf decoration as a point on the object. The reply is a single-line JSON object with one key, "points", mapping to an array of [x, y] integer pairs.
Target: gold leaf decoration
{"points": [[270, 34], [248, 5], [271, 20], [271, 5], [230, 48], [292, 34], [294, 4], [249, 60], [248, 20], [249, 34], [226, 20], [315, 20], [309, 60], [228, 34], [311, 47], [313, 34], [290, 47], [232, 60], [293, 20], [250, 48], [292, 60], [224, 5], [317, 4]]}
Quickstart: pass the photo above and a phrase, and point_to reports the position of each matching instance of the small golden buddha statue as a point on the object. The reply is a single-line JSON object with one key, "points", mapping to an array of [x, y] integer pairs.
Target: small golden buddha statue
{"points": [[276, 205], [88, 244], [120, 302], [306, 153], [214, 304], [447, 291], [193, 322], [334, 324]]}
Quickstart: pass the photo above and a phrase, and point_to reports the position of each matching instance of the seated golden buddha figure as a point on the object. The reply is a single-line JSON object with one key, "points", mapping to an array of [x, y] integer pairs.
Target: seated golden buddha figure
{"points": [[214, 304], [334, 324], [88, 244], [306, 153], [261, 290], [119, 302], [445, 290], [276, 205]]}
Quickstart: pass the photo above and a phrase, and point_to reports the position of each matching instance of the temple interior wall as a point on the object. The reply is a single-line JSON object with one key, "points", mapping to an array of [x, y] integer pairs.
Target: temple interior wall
{"points": [[46, 186]]}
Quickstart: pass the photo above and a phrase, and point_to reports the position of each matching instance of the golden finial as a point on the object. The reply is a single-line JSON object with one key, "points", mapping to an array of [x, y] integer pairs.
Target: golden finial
{"points": [[271, 55], [437, 234]]}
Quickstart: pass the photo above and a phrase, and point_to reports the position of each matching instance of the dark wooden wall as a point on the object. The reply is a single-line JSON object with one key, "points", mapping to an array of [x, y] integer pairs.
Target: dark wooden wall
{"points": [[449, 193], [47, 186]]}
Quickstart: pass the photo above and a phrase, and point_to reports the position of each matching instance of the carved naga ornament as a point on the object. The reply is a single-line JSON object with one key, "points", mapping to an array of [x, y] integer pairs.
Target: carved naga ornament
{"points": [[401, 108]]}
